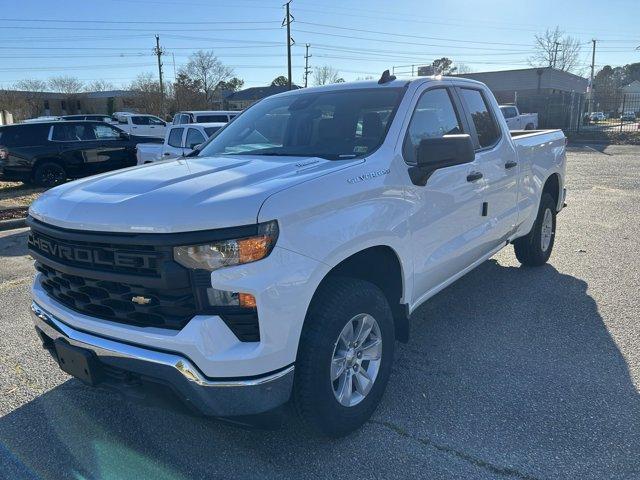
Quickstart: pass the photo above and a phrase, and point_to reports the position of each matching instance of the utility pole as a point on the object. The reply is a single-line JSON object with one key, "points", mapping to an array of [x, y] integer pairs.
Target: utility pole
{"points": [[306, 65], [555, 53], [593, 64], [175, 77], [287, 21], [159, 52]]}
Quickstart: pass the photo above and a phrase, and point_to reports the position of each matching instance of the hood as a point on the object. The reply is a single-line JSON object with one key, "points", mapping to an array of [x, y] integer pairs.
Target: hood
{"points": [[182, 195]]}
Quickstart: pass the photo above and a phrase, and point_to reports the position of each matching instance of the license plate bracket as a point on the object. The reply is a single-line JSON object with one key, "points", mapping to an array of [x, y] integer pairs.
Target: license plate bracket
{"points": [[78, 362]]}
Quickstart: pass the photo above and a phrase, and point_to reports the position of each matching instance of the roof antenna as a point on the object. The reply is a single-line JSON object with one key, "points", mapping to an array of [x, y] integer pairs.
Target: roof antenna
{"points": [[386, 77]]}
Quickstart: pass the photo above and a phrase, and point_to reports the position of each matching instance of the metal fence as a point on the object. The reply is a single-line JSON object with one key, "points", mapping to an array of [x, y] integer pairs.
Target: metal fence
{"points": [[577, 113]]}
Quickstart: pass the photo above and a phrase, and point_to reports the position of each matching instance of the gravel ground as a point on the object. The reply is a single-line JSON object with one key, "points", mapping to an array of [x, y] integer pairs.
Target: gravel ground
{"points": [[511, 373], [17, 194]]}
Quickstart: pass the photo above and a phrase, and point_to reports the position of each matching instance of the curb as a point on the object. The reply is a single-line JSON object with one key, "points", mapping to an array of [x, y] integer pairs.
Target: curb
{"points": [[12, 224]]}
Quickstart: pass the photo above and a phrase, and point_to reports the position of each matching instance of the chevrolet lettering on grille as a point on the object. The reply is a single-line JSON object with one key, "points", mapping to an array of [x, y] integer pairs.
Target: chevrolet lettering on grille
{"points": [[90, 256]]}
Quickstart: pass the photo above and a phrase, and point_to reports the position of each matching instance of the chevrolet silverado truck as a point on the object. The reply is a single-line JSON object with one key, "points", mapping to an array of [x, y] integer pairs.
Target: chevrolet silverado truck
{"points": [[519, 121], [179, 141], [284, 261]]}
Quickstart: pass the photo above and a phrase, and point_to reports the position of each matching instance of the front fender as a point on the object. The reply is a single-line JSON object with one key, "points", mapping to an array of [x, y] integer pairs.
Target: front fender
{"points": [[331, 218]]}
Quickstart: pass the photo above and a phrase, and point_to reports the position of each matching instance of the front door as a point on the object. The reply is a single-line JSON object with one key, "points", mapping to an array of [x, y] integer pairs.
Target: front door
{"points": [[446, 214]]}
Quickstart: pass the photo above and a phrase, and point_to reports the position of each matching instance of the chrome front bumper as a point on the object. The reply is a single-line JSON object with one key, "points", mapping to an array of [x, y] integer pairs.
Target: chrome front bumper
{"points": [[216, 397]]}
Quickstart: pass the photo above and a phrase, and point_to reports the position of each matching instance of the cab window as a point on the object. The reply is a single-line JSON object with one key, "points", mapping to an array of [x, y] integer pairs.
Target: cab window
{"points": [[486, 127], [175, 137], [194, 137], [433, 117]]}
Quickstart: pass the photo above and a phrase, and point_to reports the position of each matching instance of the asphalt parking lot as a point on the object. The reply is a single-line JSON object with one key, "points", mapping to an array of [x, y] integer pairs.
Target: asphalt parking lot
{"points": [[510, 373]]}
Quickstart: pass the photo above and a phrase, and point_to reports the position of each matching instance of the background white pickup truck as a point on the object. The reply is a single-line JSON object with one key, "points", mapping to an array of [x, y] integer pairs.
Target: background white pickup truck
{"points": [[285, 260], [179, 141], [142, 125], [519, 121]]}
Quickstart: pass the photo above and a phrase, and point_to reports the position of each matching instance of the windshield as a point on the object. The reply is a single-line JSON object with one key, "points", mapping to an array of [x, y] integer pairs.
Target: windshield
{"points": [[334, 125]]}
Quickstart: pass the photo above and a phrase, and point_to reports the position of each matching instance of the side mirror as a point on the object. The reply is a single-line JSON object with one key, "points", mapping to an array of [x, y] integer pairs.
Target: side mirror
{"points": [[124, 136], [440, 152], [195, 146]]}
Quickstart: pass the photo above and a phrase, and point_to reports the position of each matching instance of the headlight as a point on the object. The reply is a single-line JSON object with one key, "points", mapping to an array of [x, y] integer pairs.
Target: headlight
{"points": [[225, 253]]}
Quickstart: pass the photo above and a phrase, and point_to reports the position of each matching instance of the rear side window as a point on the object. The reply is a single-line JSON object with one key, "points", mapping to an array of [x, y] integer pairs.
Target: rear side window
{"points": [[211, 130], [175, 137], [508, 112], [73, 132], [24, 135], [212, 118], [140, 120], [433, 117], [486, 127]]}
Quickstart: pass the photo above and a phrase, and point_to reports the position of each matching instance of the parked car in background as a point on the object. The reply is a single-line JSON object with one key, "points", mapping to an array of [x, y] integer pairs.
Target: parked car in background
{"points": [[142, 125], [519, 121], [204, 116], [597, 117], [48, 153], [628, 117], [178, 142], [284, 261], [89, 116]]}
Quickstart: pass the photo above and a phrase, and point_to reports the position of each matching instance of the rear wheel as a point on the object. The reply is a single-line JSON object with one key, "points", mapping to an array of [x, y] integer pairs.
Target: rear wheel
{"points": [[535, 248], [344, 357], [529, 126], [49, 174]]}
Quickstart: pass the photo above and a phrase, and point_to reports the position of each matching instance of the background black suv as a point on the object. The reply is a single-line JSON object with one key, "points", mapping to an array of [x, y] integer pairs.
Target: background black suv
{"points": [[48, 153]]}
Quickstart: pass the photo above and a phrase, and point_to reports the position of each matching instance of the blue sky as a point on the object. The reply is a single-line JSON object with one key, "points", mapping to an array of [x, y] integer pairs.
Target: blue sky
{"points": [[113, 39]]}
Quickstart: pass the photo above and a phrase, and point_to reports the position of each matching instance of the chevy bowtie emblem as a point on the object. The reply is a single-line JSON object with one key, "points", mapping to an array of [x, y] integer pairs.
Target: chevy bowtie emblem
{"points": [[141, 300]]}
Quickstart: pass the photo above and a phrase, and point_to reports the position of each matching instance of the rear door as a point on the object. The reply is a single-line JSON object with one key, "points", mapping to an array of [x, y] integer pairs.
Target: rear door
{"points": [[497, 161], [445, 219]]}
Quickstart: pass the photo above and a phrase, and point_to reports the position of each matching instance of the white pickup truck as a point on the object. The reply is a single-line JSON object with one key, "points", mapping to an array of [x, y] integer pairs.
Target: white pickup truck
{"points": [[286, 259], [519, 121], [141, 125], [179, 141]]}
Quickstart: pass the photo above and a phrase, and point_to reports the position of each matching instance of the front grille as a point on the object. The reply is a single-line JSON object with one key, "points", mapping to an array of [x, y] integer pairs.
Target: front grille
{"points": [[113, 300], [128, 259]]}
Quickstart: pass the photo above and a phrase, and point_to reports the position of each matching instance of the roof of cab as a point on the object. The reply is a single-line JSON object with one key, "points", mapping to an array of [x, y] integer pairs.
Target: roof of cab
{"points": [[398, 82]]}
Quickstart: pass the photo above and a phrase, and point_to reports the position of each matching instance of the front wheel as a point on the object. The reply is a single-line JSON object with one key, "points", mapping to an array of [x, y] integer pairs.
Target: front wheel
{"points": [[345, 356], [535, 248]]}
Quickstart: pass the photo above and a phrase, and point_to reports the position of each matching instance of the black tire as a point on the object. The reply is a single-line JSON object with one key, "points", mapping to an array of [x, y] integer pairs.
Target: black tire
{"points": [[529, 249], [334, 305], [529, 126], [49, 174]]}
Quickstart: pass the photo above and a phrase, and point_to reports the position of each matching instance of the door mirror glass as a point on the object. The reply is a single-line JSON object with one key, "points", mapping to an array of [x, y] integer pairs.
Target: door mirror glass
{"points": [[440, 152]]}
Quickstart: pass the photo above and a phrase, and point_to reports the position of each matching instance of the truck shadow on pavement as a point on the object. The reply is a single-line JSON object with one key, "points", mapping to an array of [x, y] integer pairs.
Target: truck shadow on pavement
{"points": [[510, 373]]}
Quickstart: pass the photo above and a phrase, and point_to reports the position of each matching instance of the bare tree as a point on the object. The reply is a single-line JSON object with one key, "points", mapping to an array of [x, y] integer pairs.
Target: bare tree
{"points": [[24, 99], [555, 49], [325, 75], [443, 66], [99, 86], [147, 94], [204, 67], [30, 85], [66, 85], [463, 68]]}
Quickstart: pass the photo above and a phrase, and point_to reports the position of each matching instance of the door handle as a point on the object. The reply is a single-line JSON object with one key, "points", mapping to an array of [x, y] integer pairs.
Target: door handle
{"points": [[510, 164], [167, 154], [473, 176]]}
